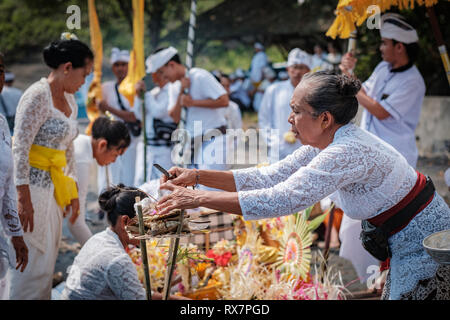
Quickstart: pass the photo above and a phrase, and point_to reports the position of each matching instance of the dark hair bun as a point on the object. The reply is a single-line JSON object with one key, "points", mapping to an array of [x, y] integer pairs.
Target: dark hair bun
{"points": [[63, 51], [348, 87], [107, 200]]}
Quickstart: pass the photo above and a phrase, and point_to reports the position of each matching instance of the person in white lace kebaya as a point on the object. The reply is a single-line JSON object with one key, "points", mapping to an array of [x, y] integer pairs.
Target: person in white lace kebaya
{"points": [[10, 227], [103, 270], [367, 177], [45, 174]]}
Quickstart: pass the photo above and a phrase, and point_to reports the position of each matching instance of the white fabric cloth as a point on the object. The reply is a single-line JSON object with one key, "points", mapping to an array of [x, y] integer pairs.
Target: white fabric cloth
{"points": [[297, 56], [365, 176], [351, 248], [203, 86], [233, 116], [259, 62], [102, 270], [273, 114], [393, 26], [84, 160], [159, 59], [39, 122], [238, 91], [9, 218], [10, 97], [123, 170], [401, 94], [156, 107], [9, 76], [119, 55], [447, 177], [320, 63]]}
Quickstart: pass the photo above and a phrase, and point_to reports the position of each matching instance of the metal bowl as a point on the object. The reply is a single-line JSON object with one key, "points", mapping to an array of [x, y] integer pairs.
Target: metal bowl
{"points": [[437, 246]]}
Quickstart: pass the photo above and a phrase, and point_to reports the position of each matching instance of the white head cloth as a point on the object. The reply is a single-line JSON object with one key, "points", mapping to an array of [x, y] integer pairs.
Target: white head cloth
{"points": [[159, 59], [447, 177], [393, 26], [269, 73], [239, 73], [283, 75], [9, 76], [119, 55], [298, 56], [258, 45]]}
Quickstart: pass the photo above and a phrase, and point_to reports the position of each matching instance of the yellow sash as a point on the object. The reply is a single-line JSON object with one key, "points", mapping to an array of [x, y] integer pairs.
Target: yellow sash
{"points": [[54, 161]]}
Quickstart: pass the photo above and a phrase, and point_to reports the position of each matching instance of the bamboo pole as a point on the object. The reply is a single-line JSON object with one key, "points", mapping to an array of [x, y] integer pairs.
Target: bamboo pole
{"points": [[440, 41], [327, 243], [143, 243]]}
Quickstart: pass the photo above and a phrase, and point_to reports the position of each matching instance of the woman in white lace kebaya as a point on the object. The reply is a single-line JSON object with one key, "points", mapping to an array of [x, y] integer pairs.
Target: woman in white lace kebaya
{"points": [[367, 176], [45, 174], [103, 270], [9, 219]]}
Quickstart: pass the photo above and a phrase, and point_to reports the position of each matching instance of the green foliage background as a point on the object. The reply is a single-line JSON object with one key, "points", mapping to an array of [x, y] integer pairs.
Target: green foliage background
{"points": [[26, 26]]}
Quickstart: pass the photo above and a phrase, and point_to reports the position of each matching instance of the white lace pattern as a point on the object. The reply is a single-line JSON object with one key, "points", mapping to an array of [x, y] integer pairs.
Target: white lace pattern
{"points": [[103, 271], [366, 176]]}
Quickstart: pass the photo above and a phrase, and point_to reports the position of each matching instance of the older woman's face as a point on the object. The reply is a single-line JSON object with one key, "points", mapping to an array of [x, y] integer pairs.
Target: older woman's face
{"points": [[305, 125], [75, 77]]}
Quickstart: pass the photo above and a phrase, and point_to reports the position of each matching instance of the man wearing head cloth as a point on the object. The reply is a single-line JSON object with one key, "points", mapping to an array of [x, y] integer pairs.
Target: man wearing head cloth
{"points": [[159, 126], [392, 96], [275, 107], [121, 171], [259, 62], [9, 100], [202, 95]]}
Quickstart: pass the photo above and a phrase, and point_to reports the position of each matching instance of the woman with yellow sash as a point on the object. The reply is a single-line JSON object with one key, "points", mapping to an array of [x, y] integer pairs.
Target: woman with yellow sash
{"points": [[45, 174]]}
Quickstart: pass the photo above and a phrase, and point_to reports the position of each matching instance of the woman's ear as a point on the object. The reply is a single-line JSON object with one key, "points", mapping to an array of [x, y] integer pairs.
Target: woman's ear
{"points": [[102, 144], [67, 67], [124, 220], [327, 120]]}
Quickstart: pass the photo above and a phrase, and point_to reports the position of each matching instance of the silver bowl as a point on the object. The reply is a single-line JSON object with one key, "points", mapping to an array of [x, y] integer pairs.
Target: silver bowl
{"points": [[437, 246]]}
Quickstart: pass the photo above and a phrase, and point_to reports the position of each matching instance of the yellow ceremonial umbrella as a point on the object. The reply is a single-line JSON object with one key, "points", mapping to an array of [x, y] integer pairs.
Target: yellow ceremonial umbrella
{"points": [[352, 13], [136, 66], [95, 89]]}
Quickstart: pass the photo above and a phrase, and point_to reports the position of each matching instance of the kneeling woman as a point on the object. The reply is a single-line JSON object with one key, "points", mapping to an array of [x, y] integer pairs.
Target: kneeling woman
{"points": [[102, 270], [373, 182]]}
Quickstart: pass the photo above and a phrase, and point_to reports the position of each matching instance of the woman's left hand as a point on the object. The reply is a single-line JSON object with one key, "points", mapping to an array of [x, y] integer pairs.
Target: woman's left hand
{"points": [[180, 198], [21, 252], [75, 206]]}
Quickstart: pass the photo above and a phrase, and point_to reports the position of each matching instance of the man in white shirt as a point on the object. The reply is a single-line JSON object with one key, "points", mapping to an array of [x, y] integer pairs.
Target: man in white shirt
{"points": [[159, 126], [392, 96], [203, 96], [9, 99], [122, 171], [259, 62], [275, 107], [108, 141], [239, 90]]}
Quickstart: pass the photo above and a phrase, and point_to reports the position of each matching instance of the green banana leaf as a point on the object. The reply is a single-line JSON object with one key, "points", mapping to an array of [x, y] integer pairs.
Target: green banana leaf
{"points": [[317, 221]]}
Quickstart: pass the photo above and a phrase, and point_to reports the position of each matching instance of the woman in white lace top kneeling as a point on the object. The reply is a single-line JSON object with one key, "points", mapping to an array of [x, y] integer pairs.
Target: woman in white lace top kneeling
{"points": [[367, 177], [103, 270]]}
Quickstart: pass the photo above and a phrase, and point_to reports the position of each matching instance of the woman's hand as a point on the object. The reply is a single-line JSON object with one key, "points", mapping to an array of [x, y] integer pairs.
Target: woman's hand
{"points": [[25, 208], [180, 198], [75, 206], [186, 100], [140, 88], [21, 252], [103, 106], [183, 177]]}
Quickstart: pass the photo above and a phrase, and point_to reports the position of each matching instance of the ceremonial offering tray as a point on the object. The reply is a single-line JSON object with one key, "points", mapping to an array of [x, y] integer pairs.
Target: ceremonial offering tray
{"points": [[437, 246], [163, 226]]}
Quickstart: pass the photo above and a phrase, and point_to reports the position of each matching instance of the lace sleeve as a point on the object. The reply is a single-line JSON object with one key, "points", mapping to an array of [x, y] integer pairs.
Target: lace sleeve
{"points": [[10, 217], [122, 278], [330, 170], [32, 111], [260, 178]]}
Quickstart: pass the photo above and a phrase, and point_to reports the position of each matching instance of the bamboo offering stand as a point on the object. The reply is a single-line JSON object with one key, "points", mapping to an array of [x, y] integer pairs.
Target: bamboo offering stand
{"points": [[143, 243]]}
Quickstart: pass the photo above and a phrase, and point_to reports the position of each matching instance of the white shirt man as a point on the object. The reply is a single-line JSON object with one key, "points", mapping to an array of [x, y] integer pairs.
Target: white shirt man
{"points": [[394, 93], [259, 62], [158, 150], [123, 170], [275, 108], [203, 102]]}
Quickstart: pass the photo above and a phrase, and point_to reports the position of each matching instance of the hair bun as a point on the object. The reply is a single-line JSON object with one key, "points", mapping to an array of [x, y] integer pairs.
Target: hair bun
{"points": [[348, 87], [107, 199]]}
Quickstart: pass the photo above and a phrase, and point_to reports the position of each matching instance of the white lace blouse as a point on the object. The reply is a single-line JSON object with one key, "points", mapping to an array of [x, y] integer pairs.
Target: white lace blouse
{"points": [[103, 270], [39, 122], [369, 175]]}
